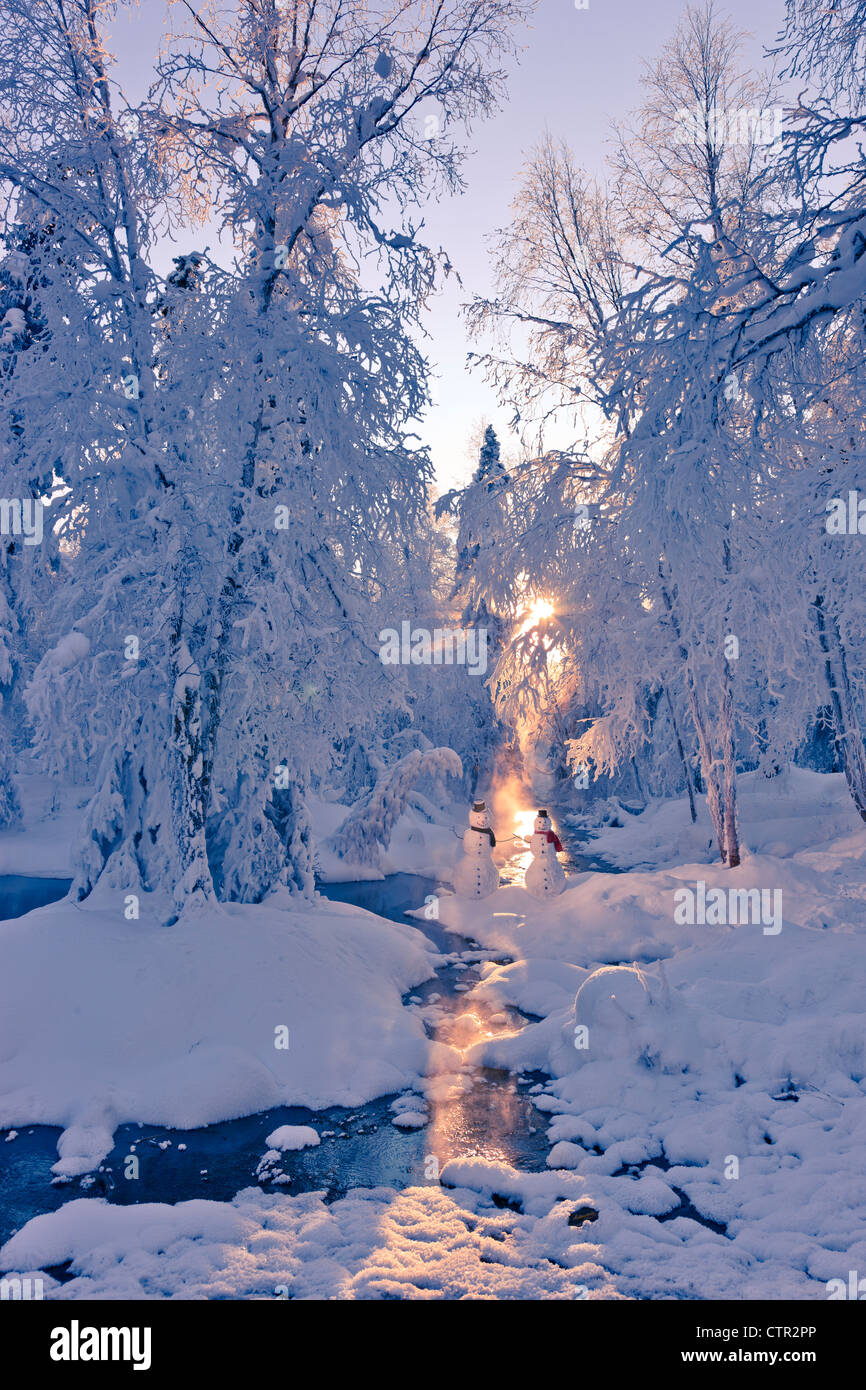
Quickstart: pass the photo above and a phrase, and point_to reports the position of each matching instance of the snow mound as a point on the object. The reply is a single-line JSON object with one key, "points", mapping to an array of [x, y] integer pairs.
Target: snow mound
{"points": [[289, 1137], [410, 1119], [611, 996], [410, 1112]]}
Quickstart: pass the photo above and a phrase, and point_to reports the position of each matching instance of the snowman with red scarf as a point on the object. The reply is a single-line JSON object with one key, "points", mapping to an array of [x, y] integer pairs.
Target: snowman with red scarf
{"points": [[476, 875], [545, 876]]}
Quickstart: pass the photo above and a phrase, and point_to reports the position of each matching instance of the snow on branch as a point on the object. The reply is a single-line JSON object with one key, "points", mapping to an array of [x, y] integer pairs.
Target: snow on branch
{"points": [[370, 826]]}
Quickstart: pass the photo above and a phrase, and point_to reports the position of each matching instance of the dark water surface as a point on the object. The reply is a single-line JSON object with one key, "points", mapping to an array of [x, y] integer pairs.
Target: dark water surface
{"points": [[19, 894]]}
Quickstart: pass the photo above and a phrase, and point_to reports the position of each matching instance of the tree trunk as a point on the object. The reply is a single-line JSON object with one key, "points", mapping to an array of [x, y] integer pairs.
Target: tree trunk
{"points": [[715, 800], [709, 767], [640, 791], [682, 753], [186, 781], [732, 838], [849, 740]]}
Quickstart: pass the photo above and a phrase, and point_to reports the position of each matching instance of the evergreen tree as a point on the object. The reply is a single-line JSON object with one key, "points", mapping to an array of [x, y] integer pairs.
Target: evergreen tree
{"points": [[490, 470]]}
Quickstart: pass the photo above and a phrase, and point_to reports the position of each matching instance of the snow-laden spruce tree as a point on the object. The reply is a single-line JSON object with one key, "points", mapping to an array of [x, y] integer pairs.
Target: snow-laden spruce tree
{"points": [[465, 700], [491, 469], [480, 509]]}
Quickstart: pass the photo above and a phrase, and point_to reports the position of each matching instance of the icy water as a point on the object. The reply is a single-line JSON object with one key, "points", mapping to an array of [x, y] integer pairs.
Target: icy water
{"points": [[471, 1111], [19, 894]]}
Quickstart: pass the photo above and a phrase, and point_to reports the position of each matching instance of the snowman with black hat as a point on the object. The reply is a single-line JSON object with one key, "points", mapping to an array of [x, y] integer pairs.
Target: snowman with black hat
{"points": [[476, 875], [545, 876]]}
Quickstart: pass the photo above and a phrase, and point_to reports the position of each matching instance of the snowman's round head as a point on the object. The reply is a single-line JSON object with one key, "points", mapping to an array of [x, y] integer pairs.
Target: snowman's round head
{"points": [[542, 823], [479, 817]]}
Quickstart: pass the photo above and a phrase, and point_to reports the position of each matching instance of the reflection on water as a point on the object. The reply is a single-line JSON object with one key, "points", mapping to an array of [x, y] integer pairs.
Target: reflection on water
{"points": [[488, 1118], [478, 1112], [473, 1111]]}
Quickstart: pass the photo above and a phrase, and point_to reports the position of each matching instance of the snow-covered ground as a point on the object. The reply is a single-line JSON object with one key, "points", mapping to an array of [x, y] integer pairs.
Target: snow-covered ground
{"points": [[707, 1100], [51, 815], [729, 1059], [798, 810], [424, 1242]]}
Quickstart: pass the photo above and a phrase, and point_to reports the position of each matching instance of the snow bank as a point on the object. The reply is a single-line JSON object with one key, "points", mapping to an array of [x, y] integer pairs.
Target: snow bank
{"points": [[797, 810], [105, 1021]]}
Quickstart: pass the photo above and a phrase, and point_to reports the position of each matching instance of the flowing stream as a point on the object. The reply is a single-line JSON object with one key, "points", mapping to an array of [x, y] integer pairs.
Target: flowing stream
{"points": [[471, 1111]]}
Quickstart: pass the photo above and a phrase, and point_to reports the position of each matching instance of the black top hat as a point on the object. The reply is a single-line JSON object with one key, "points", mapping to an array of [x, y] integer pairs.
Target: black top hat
{"points": [[479, 806], [542, 813]]}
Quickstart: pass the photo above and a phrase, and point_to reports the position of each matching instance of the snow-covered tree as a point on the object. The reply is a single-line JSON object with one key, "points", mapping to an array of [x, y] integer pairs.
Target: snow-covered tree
{"points": [[368, 829], [231, 446], [656, 574]]}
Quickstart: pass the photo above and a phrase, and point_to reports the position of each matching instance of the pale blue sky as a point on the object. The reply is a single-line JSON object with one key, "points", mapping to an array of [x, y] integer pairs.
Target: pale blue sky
{"points": [[579, 70]]}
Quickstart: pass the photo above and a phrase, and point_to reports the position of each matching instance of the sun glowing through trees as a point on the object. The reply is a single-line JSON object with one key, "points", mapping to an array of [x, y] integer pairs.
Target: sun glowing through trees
{"points": [[537, 640], [540, 610]]}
